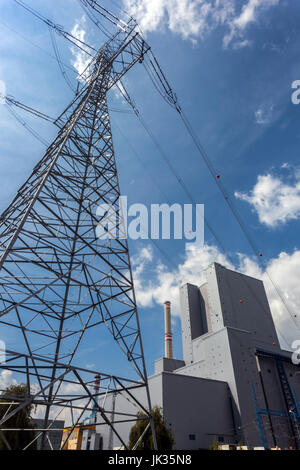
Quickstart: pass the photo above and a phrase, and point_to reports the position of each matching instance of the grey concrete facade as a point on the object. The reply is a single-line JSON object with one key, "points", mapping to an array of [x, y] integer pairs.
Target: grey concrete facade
{"points": [[232, 367], [91, 440], [239, 326]]}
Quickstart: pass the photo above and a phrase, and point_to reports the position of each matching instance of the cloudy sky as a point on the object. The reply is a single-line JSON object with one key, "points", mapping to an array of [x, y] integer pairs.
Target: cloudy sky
{"points": [[232, 64]]}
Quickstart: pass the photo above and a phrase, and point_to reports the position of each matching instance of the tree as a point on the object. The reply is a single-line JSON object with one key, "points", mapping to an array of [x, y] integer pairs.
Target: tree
{"points": [[240, 445], [17, 440], [165, 440], [215, 445]]}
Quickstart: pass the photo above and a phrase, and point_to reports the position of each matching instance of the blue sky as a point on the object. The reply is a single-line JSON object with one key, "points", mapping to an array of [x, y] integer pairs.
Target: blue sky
{"points": [[232, 65]]}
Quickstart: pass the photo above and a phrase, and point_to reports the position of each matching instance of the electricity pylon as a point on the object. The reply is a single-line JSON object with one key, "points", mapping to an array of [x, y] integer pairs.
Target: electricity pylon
{"points": [[60, 282]]}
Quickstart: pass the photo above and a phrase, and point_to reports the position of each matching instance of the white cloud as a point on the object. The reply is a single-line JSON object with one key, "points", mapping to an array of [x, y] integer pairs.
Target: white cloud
{"points": [[249, 14], [63, 413], [6, 379], [285, 165], [164, 285], [242, 43], [194, 19], [190, 19], [285, 272], [119, 90], [264, 114], [275, 201], [81, 59], [281, 282]]}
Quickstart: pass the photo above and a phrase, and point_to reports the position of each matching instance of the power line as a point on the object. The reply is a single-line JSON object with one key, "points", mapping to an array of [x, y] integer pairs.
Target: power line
{"points": [[232, 207], [37, 46], [158, 78], [27, 126], [179, 179], [9, 100], [141, 161], [12, 102], [93, 19], [108, 15], [57, 28], [60, 64], [170, 260]]}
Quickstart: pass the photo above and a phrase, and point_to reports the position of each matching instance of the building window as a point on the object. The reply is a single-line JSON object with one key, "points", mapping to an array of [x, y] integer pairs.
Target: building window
{"points": [[192, 437], [220, 439]]}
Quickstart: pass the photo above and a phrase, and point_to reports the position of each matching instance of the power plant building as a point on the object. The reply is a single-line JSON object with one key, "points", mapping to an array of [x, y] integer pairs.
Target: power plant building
{"points": [[234, 383]]}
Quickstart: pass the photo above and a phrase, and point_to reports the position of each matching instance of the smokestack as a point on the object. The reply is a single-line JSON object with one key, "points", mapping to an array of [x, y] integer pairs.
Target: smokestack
{"points": [[168, 332], [97, 383]]}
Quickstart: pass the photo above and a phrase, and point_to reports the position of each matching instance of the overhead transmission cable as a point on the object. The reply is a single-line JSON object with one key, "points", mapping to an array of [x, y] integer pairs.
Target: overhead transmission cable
{"points": [[141, 161], [93, 19], [106, 13], [58, 29], [171, 98], [158, 77], [37, 46], [27, 126], [60, 64], [170, 261], [166, 159], [10, 101], [125, 95], [120, 8], [160, 80], [135, 153]]}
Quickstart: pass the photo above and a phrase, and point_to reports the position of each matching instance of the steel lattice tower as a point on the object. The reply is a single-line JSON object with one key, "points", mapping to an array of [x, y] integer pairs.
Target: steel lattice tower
{"points": [[59, 280]]}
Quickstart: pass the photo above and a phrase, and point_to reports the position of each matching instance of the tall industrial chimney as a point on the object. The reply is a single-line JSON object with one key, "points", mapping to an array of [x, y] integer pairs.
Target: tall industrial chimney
{"points": [[96, 388], [168, 331], [97, 383]]}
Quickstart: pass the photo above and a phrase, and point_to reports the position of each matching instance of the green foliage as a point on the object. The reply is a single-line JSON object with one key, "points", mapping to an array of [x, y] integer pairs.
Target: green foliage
{"points": [[165, 440], [21, 420], [215, 445]]}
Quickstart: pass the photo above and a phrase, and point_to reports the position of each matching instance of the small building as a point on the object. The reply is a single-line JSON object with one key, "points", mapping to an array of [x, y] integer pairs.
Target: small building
{"points": [[82, 437], [91, 440]]}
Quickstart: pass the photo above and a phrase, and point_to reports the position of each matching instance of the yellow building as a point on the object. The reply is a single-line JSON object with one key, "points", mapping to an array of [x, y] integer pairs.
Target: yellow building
{"points": [[75, 439]]}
